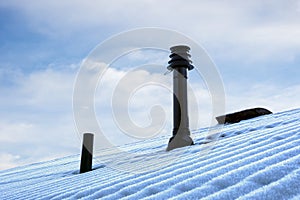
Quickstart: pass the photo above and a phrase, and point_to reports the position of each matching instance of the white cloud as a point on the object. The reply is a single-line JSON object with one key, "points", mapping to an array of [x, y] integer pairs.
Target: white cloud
{"points": [[8, 161], [238, 23], [36, 120], [273, 97], [14, 132], [132, 94]]}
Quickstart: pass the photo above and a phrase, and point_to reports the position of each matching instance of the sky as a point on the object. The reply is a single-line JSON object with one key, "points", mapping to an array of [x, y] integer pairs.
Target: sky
{"points": [[254, 45]]}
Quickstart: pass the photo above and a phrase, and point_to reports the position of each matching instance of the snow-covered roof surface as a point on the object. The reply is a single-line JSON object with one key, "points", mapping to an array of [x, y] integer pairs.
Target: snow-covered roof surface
{"points": [[253, 159]]}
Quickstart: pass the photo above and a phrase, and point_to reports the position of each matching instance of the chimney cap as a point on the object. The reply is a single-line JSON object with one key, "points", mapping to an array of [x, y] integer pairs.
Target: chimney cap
{"points": [[180, 57], [180, 49]]}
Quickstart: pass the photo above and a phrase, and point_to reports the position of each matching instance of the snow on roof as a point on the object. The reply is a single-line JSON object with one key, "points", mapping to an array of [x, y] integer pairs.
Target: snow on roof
{"points": [[254, 159]]}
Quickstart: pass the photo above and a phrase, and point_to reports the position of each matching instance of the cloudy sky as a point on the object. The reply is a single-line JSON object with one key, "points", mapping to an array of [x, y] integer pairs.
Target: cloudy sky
{"points": [[255, 46]]}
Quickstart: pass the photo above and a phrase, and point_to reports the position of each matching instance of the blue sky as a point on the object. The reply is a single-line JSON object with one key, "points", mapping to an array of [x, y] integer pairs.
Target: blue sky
{"points": [[255, 46]]}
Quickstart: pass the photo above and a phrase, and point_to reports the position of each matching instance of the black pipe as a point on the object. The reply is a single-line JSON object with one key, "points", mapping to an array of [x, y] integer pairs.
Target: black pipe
{"points": [[180, 63], [87, 153]]}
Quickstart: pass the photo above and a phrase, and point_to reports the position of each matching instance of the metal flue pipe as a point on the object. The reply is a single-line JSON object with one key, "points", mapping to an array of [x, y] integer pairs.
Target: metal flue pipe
{"points": [[180, 62], [87, 153]]}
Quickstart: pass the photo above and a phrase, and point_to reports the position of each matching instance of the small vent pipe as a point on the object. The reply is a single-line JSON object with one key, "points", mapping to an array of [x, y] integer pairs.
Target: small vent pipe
{"points": [[87, 153]]}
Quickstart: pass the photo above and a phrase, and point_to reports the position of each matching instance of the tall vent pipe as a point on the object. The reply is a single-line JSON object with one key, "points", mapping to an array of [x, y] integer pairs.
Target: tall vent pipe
{"points": [[180, 62]]}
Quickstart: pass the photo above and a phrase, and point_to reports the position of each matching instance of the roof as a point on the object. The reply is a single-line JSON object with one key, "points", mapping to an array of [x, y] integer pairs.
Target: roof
{"points": [[253, 159]]}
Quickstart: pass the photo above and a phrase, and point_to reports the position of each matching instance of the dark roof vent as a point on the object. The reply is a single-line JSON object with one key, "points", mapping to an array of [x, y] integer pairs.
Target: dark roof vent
{"points": [[242, 115]]}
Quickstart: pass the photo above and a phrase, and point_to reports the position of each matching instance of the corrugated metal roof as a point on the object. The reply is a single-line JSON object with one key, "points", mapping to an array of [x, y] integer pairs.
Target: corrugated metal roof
{"points": [[254, 159]]}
